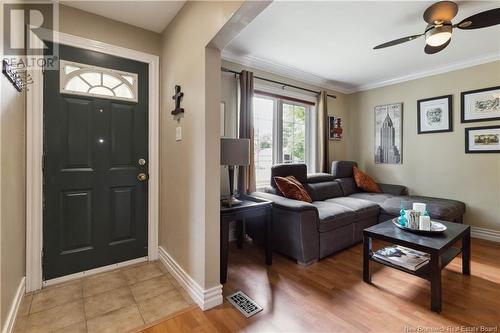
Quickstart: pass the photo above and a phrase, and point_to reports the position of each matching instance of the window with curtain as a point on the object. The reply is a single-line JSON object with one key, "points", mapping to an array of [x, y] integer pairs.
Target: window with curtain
{"points": [[281, 133]]}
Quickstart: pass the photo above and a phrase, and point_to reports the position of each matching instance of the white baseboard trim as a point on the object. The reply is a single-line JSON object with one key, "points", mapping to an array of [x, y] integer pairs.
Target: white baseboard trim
{"points": [[10, 322], [205, 298], [487, 234], [93, 271]]}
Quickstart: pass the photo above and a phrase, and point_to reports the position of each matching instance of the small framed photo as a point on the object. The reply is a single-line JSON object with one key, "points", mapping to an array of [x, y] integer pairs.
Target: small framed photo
{"points": [[484, 139], [335, 128], [480, 105], [434, 115]]}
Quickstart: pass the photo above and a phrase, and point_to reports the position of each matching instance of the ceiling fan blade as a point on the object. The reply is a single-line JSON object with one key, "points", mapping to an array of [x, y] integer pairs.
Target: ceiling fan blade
{"points": [[397, 41], [481, 20], [441, 11], [435, 49]]}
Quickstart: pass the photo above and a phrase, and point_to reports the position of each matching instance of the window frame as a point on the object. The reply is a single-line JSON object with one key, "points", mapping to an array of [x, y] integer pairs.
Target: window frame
{"points": [[85, 68], [278, 101]]}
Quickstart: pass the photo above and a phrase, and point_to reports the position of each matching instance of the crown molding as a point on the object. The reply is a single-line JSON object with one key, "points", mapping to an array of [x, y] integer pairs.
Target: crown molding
{"points": [[299, 75], [285, 71], [434, 71]]}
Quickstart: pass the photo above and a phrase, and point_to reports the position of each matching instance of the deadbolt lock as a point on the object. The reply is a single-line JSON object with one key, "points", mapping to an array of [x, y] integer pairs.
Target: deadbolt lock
{"points": [[141, 161], [142, 177]]}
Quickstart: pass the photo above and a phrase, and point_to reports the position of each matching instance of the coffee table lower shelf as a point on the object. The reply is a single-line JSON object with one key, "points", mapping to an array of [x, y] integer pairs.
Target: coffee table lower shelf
{"points": [[442, 249], [424, 271]]}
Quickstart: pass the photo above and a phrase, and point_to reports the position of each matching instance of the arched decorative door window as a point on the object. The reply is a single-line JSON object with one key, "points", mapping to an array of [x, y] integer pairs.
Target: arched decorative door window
{"points": [[87, 80]]}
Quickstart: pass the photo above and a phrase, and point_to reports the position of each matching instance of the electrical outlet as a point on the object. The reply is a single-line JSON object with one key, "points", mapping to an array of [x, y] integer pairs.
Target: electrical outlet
{"points": [[178, 133]]}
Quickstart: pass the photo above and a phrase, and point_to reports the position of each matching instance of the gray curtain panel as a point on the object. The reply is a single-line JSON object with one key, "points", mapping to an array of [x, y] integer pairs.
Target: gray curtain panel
{"points": [[322, 158], [246, 174]]}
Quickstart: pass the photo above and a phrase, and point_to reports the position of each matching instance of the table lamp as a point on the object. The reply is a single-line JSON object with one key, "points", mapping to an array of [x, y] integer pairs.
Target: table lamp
{"points": [[233, 152]]}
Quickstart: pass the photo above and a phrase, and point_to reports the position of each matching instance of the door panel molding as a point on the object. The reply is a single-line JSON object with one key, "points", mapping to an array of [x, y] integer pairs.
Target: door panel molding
{"points": [[34, 156]]}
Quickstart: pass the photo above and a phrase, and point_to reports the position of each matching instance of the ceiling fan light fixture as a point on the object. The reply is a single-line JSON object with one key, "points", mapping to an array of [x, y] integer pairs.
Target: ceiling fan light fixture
{"points": [[438, 35]]}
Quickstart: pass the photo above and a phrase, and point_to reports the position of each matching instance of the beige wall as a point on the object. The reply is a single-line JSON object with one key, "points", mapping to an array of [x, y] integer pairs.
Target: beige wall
{"points": [[189, 173], [12, 198], [80, 23], [336, 107], [434, 164]]}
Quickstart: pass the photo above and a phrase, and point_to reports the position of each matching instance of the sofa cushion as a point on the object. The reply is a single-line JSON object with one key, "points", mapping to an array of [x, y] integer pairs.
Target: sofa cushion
{"points": [[319, 178], [438, 208], [324, 190], [333, 216], [377, 198], [299, 171], [343, 169], [348, 186], [363, 208], [292, 188]]}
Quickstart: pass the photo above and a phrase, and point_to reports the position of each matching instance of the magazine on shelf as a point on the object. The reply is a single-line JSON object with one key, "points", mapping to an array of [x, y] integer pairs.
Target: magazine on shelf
{"points": [[403, 256]]}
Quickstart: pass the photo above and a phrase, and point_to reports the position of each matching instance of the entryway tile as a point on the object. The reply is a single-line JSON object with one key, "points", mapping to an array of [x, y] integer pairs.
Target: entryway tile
{"points": [[108, 301], [56, 295], [57, 317], [151, 288], [80, 327], [24, 307], [100, 283], [20, 325], [161, 306], [119, 321], [142, 272]]}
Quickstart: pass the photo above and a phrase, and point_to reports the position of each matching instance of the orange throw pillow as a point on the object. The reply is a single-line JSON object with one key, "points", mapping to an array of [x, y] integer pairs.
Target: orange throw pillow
{"points": [[292, 188], [365, 182]]}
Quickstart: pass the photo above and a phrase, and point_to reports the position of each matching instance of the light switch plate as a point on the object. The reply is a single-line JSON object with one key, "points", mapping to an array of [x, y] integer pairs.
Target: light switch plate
{"points": [[178, 133]]}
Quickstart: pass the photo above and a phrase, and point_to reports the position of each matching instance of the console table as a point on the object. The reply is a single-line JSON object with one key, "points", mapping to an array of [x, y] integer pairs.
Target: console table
{"points": [[440, 247], [250, 207]]}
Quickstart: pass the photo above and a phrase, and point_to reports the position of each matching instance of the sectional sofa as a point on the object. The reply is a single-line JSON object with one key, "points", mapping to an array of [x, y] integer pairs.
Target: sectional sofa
{"points": [[339, 212]]}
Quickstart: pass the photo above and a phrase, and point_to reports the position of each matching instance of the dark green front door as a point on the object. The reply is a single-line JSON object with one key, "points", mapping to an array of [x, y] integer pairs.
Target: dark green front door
{"points": [[95, 207]]}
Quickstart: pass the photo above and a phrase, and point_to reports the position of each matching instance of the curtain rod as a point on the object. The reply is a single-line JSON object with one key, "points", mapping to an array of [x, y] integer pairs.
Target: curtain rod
{"points": [[224, 69]]}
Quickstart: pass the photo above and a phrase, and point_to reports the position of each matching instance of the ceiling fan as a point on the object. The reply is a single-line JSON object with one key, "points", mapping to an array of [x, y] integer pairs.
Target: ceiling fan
{"points": [[439, 26]]}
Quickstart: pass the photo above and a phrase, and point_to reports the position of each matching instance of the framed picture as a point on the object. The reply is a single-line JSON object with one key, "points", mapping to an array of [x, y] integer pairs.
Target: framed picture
{"points": [[222, 119], [484, 139], [434, 115], [480, 105], [335, 128], [389, 134]]}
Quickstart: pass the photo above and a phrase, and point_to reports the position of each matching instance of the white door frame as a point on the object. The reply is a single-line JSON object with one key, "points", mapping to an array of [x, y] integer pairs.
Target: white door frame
{"points": [[34, 153]]}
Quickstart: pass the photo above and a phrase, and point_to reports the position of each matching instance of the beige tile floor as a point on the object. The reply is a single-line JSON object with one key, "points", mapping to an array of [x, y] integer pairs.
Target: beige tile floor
{"points": [[117, 301]]}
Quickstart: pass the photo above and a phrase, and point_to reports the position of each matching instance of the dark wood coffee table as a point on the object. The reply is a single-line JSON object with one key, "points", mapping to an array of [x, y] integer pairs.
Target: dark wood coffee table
{"points": [[441, 248]]}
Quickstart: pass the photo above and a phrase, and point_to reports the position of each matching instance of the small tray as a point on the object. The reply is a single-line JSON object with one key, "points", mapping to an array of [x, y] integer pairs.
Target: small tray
{"points": [[436, 228]]}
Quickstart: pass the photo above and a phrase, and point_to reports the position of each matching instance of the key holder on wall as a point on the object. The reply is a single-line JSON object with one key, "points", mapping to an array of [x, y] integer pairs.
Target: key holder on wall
{"points": [[17, 75]]}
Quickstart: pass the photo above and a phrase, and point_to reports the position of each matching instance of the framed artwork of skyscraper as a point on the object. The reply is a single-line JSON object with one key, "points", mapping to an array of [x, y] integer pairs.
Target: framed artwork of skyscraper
{"points": [[389, 134]]}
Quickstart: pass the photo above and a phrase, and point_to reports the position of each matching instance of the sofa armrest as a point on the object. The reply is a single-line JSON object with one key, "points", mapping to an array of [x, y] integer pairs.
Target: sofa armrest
{"points": [[285, 203], [295, 231], [394, 189]]}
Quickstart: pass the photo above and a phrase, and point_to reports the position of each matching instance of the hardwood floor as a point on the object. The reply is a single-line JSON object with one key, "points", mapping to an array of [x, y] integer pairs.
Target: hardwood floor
{"points": [[330, 296]]}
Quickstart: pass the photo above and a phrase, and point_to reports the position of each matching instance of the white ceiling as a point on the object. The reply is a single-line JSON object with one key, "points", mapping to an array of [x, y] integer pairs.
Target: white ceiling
{"points": [[149, 15], [330, 43]]}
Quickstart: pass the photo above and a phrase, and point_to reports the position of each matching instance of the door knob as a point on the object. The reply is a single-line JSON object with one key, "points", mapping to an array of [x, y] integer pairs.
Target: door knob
{"points": [[142, 177]]}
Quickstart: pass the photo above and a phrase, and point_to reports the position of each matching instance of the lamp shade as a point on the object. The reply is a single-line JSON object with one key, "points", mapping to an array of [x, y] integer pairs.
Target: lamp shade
{"points": [[234, 151]]}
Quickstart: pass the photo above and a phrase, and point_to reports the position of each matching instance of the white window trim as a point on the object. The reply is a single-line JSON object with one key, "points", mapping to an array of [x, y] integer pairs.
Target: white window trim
{"points": [[84, 68], [311, 119]]}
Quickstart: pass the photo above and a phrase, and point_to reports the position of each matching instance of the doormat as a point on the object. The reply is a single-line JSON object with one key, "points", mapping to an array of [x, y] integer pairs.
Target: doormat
{"points": [[244, 304]]}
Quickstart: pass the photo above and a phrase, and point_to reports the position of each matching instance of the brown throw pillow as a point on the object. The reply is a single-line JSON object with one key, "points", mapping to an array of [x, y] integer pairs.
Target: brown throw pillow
{"points": [[365, 182], [292, 188]]}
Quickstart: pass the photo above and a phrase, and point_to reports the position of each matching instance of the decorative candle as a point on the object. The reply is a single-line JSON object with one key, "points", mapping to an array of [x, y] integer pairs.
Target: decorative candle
{"points": [[424, 223], [419, 207]]}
